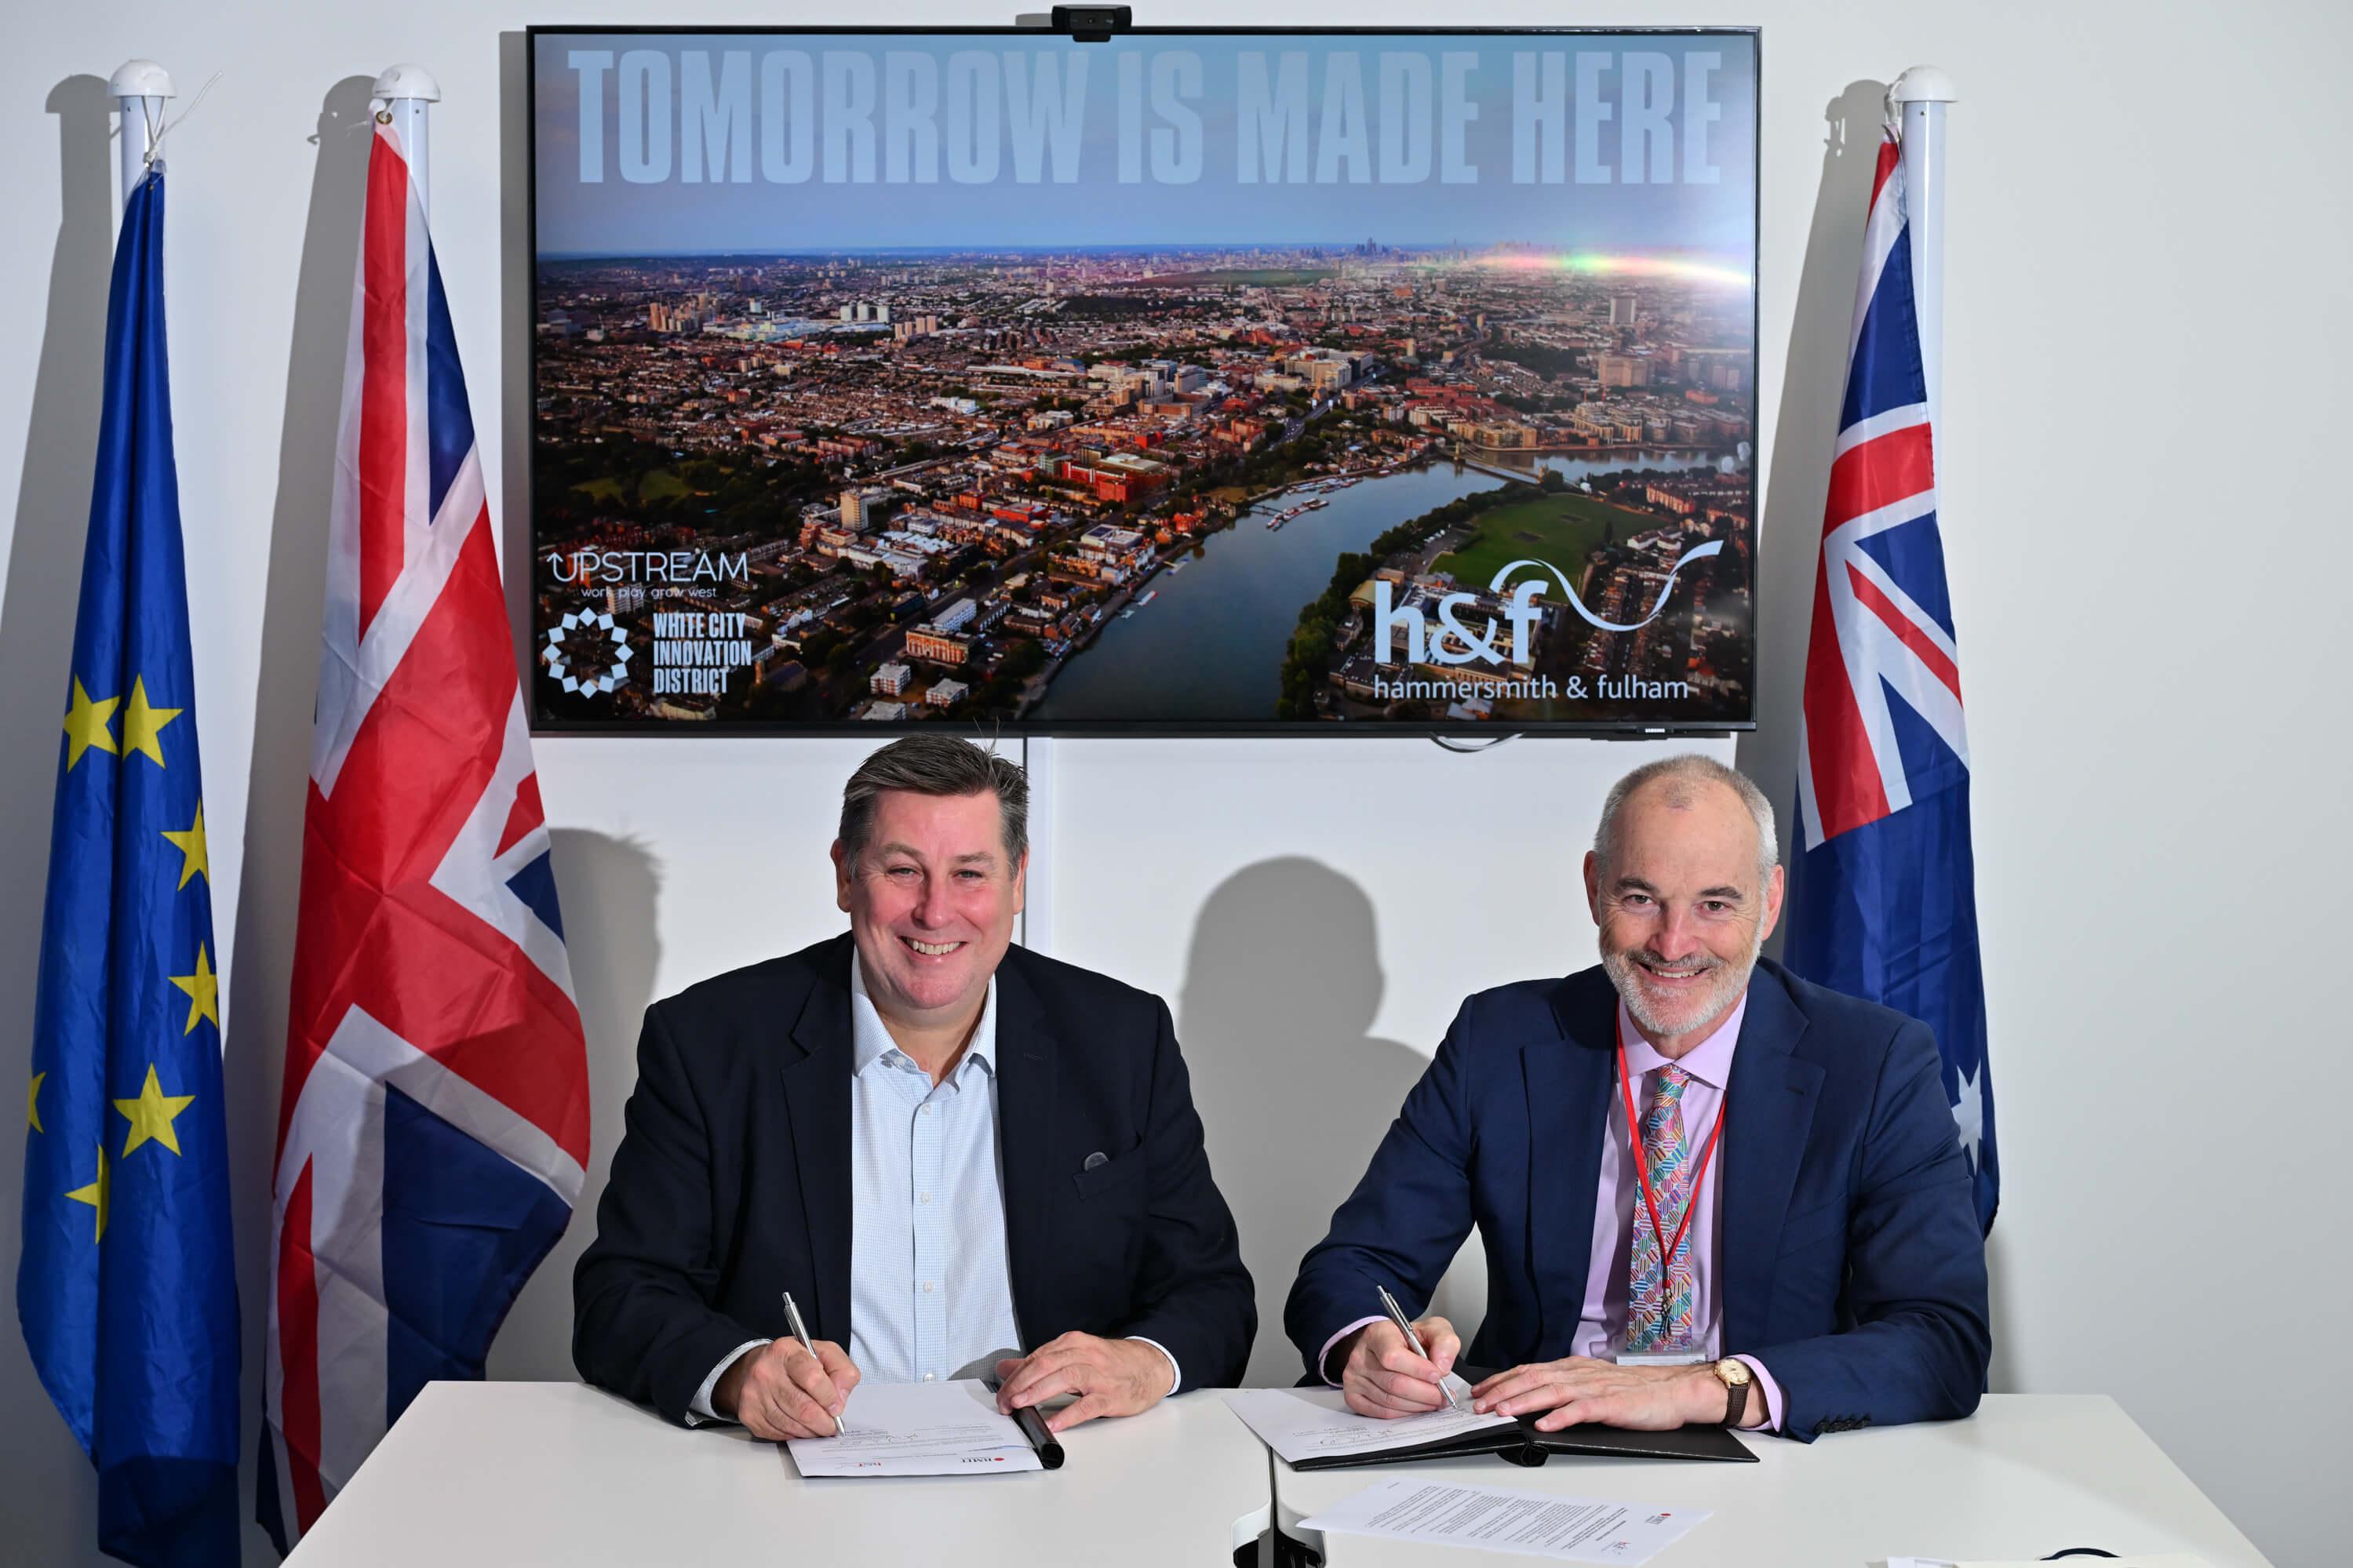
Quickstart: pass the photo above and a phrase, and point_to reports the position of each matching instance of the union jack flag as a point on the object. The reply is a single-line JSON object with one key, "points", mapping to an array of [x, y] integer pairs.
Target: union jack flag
{"points": [[1882, 899], [434, 1123]]}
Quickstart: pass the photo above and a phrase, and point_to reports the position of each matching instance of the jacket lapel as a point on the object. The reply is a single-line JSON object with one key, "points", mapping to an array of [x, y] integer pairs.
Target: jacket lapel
{"points": [[1028, 1073], [1768, 1110], [1569, 1082], [817, 1098]]}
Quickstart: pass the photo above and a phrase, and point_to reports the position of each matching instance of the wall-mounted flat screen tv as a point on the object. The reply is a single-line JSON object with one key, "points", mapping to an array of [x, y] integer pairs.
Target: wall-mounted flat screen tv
{"points": [[1243, 381]]}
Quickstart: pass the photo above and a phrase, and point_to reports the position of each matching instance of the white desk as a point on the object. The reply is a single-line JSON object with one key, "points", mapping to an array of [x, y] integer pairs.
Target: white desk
{"points": [[2027, 1476], [513, 1474]]}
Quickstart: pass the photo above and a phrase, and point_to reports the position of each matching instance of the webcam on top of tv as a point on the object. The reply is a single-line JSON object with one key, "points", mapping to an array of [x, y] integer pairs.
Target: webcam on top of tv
{"points": [[1092, 24]]}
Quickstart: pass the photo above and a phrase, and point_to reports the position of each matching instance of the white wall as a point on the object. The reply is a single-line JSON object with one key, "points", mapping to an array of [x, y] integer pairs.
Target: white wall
{"points": [[2146, 354]]}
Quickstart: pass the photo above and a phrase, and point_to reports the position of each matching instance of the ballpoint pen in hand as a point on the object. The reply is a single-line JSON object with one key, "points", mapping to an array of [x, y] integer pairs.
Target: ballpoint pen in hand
{"points": [[1397, 1316], [800, 1332]]}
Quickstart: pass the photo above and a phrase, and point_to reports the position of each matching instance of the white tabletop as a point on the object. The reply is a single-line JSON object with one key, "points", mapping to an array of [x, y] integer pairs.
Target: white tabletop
{"points": [[2027, 1476], [528, 1473]]}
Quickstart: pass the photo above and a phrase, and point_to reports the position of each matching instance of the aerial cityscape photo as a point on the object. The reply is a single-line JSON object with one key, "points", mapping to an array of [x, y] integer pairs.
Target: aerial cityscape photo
{"points": [[1270, 479]]}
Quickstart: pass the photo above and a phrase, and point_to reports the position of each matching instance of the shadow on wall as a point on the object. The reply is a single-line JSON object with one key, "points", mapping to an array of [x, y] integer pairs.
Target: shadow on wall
{"points": [[47, 1494], [611, 888], [279, 771], [1283, 983], [1813, 383]]}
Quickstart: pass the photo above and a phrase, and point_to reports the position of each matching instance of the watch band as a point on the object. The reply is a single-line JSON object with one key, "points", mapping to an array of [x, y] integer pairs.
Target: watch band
{"points": [[1735, 1395]]}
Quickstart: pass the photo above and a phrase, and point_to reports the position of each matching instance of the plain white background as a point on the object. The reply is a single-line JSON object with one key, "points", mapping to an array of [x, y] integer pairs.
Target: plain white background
{"points": [[2146, 354]]}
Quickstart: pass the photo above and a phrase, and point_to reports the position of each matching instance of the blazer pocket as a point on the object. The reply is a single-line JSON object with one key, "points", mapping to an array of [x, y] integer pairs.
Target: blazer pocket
{"points": [[1111, 1176], [1816, 1226]]}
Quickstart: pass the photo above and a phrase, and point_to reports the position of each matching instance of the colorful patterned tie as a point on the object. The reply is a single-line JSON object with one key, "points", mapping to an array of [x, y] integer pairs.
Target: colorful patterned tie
{"points": [[1658, 1310]]}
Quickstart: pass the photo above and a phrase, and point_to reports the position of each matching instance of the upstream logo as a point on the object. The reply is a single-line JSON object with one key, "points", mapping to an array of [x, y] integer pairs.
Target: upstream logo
{"points": [[1456, 641], [593, 568]]}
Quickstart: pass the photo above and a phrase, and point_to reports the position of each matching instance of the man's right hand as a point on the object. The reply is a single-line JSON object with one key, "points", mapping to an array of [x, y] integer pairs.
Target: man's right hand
{"points": [[781, 1391], [1382, 1376]]}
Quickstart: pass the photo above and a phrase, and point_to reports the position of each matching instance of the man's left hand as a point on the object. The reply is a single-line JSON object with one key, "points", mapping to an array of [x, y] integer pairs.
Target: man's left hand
{"points": [[1111, 1377], [1641, 1398]]}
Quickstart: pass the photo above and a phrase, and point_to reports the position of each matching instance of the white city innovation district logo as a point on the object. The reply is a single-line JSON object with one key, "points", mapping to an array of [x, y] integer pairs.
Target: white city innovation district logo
{"points": [[1453, 642], [577, 643]]}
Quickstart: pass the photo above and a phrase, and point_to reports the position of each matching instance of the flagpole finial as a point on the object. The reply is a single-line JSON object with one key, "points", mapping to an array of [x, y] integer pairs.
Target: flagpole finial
{"points": [[407, 81], [139, 78], [1924, 84]]}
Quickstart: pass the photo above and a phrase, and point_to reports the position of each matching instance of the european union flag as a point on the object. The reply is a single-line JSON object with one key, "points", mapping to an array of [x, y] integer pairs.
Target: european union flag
{"points": [[126, 1289]]}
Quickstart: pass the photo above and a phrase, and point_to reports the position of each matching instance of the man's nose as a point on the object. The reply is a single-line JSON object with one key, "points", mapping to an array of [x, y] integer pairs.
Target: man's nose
{"points": [[932, 903], [1673, 937]]}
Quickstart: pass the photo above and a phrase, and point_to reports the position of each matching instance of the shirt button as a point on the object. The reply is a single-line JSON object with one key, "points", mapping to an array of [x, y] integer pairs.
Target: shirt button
{"points": [[927, 1111], [930, 1377], [923, 1197], [927, 1286]]}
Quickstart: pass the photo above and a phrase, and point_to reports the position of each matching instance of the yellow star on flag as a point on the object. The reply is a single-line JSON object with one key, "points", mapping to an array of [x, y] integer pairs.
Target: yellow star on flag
{"points": [[33, 1102], [151, 1115], [86, 725], [203, 992], [191, 845], [141, 725], [94, 1195]]}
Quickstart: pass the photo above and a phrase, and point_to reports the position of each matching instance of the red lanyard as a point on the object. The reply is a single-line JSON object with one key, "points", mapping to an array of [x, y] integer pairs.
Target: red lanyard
{"points": [[1642, 1166]]}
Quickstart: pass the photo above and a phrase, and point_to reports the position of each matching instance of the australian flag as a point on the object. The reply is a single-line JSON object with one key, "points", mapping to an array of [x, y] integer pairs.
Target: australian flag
{"points": [[126, 1288], [1883, 900]]}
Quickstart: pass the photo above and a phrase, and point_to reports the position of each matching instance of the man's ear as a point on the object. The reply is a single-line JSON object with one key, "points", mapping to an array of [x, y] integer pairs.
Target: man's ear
{"points": [[841, 877], [1021, 883], [1593, 886], [1776, 885]]}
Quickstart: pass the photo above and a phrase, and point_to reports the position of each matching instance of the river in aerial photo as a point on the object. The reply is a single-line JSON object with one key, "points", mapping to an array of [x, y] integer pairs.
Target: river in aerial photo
{"points": [[1209, 648]]}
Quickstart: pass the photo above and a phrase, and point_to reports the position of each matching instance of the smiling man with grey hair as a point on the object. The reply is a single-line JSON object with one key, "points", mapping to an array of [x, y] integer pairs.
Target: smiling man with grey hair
{"points": [[939, 1144], [1710, 1192]]}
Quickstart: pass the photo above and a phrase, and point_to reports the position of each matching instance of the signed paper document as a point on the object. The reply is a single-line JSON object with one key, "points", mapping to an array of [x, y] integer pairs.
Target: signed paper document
{"points": [[1313, 1422], [918, 1429], [1531, 1524]]}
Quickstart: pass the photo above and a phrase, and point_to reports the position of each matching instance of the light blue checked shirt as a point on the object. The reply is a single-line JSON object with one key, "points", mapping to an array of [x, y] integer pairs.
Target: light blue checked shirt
{"points": [[929, 1288]]}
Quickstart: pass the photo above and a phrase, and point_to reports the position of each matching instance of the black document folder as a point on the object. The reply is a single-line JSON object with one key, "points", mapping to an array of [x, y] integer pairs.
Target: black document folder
{"points": [[1523, 1445]]}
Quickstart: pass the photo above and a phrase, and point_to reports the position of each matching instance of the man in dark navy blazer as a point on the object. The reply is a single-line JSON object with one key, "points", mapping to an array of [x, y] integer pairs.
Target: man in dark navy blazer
{"points": [[940, 1144], [1709, 1192]]}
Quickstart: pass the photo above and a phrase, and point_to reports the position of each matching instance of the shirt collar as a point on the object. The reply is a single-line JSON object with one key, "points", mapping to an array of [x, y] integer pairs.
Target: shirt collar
{"points": [[870, 1040], [1710, 1062]]}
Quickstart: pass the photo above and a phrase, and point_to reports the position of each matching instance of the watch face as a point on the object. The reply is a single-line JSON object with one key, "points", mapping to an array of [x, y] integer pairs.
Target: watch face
{"points": [[1734, 1372]]}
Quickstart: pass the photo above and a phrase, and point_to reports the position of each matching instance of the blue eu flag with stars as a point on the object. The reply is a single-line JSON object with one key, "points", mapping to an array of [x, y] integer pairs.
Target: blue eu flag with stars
{"points": [[126, 1289]]}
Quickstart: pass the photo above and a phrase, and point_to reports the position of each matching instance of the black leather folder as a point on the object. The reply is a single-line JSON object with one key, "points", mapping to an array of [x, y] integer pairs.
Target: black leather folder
{"points": [[1523, 1445]]}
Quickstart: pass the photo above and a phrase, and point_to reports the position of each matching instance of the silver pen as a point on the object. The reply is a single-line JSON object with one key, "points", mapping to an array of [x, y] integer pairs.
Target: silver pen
{"points": [[1397, 1316], [800, 1332]]}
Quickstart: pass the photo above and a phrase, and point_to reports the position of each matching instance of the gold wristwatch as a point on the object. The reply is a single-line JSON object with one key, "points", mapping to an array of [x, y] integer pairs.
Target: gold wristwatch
{"points": [[1736, 1379]]}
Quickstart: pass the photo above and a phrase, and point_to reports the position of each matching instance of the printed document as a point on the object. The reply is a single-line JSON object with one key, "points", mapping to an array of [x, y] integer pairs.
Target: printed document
{"points": [[1309, 1423], [1530, 1524], [918, 1429], [1527, 1524]]}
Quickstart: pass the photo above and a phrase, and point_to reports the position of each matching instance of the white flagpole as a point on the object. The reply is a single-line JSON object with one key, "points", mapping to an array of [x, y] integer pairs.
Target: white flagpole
{"points": [[407, 93], [140, 89], [1923, 91], [1038, 905]]}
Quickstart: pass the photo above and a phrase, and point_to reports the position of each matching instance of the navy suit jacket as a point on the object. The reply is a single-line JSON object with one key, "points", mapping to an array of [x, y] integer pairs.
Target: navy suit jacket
{"points": [[1852, 1264], [732, 1182]]}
